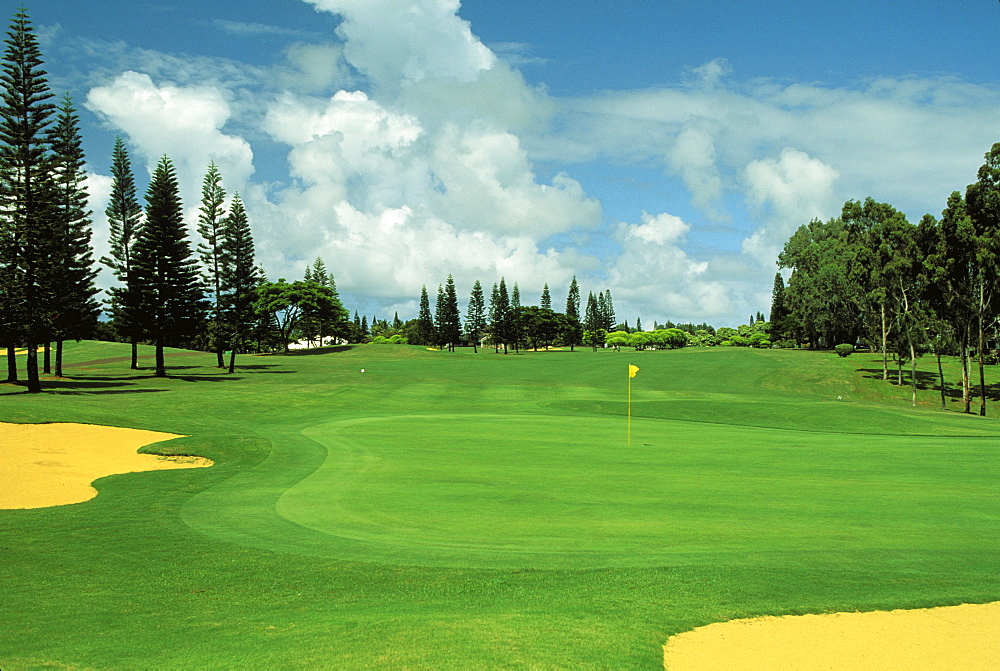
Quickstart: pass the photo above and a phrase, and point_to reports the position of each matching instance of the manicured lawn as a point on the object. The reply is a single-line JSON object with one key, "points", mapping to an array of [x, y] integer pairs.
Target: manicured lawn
{"points": [[457, 510]]}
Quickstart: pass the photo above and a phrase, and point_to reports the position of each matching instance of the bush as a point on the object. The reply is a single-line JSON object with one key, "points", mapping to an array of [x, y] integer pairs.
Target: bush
{"points": [[844, 349]]}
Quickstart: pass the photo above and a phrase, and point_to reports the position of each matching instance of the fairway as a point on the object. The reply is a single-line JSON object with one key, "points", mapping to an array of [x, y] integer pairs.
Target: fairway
{"points": [[453, 510]]}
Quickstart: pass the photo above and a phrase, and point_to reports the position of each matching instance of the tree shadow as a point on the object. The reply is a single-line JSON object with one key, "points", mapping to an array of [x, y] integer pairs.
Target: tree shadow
{"points": [[317, 350], [929, 381]]}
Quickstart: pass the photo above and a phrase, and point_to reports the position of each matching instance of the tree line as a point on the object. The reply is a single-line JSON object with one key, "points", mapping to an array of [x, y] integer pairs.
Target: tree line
{"points": [[871, 277]]}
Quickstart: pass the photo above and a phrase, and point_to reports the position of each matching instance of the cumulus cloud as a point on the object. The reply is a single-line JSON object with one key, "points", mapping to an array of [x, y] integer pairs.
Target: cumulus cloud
{"points": [[655, 277], [395, 43], [182, 122], [787, 192]]}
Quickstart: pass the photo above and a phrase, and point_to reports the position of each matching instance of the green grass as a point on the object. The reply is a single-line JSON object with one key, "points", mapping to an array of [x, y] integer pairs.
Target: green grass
{"points": [[460, 510]]}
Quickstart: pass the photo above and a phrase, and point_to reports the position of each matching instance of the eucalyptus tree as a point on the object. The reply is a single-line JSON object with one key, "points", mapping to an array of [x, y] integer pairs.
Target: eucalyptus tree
{"points": [[211, 218], [26, 193], [170, 289], [124, 220], [983, 204]]}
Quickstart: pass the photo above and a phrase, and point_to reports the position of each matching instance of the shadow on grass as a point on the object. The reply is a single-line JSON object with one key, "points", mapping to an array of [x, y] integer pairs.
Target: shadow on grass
{"points": [[929, 381], [316, 350]]}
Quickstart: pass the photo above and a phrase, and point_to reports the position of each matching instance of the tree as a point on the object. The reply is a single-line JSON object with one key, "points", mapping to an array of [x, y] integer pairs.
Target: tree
{"points": [[475, 315], [983, 205], [26, 192], [541, 325], [593, 319], [609, 310], [778, 310], [949, 262], [501, 316], [546, 301], [211, 216], [450, 326], [239, 277], [75, 308], [170, 289], [425, 322], [124, 219], [288, 303], [574, 332]]}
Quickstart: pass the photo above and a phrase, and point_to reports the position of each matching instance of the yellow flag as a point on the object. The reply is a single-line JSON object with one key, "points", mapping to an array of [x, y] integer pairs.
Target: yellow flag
{"points": [[632, 370]]}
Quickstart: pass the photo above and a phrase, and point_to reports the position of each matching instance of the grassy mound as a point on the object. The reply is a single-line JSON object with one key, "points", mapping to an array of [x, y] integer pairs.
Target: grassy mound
{"points": [[480, 510]]}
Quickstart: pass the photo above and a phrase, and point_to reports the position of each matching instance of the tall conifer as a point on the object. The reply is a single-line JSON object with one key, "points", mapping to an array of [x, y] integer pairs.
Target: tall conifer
{"points": [[124, 219], [75, 307], [170, 288], [26, 192]]}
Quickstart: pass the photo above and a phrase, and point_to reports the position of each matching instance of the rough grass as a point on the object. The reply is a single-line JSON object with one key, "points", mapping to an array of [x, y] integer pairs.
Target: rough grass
{"points": [[457, 510]]}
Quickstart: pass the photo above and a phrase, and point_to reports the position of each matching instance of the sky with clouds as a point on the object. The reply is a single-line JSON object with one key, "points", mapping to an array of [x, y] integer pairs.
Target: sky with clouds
{"points": [[662, 149]]}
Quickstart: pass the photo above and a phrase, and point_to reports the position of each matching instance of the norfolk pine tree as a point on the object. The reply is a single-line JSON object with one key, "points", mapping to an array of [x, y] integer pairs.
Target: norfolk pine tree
{"points": [[475, 315], [425, 322], [72, 280], [26, 190], [124, 219], [211, 216], [240, 277], [170, 288], [574, 332]]}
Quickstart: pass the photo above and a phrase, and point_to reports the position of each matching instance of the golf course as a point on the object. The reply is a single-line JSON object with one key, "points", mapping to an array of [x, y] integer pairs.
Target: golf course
{"points": [[388, 506]]}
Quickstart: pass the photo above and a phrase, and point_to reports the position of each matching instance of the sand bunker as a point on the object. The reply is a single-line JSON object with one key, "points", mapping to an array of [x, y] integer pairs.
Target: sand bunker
{"points": [[53, 464], [954, 637]]}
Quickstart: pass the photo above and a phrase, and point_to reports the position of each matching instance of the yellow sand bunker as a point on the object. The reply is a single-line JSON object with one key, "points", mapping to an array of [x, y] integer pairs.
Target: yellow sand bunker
{"points": [[53, 464], [955, 637]]}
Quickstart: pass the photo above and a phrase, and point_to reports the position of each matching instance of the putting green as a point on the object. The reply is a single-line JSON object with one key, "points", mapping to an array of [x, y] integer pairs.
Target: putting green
{"points": [[545, 491]]}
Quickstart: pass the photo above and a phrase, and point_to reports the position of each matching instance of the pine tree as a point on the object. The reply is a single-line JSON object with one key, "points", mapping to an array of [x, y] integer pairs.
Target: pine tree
{"points": [[72, 281], [239, 278], [514, 327], [124, 218], [609, 311], [451, 328], [593, 319], [778, 309], [502, 312], [475, 315], [170, 290], [574, 332], [546, 301], [26, 193], [425, 322], [211, 216], [638, 325]]}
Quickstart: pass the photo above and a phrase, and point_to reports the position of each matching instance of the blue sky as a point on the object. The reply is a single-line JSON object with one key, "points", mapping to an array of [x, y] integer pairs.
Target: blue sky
{"points": [[662, 149]]}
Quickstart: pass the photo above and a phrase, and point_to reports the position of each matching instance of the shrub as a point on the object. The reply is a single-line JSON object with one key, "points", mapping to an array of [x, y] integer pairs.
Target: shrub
{"points": [[844, 350]]}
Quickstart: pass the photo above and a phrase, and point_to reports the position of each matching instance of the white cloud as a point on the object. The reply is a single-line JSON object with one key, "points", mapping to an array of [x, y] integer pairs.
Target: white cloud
{"points": [[182, 122], [787, 192], [655, 278], [395, 42]]}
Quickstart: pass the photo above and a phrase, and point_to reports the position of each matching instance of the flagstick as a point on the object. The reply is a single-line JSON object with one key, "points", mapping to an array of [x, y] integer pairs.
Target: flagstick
{"points": [[630, 411]]}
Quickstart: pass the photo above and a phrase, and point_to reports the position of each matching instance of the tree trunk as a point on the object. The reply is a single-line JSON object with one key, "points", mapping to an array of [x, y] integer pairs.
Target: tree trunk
{"points": [[34, 385], [47, 359], [221, 353], [135, 355], [944, 403], [966, 382], [913, 374], [59, 353], [232, 354], [161, 369], [982, 373], [11, 363], [885, 353]]}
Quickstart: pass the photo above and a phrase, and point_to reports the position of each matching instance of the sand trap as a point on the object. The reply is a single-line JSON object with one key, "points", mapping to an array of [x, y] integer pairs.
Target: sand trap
{"points": [[53, 464], [954, 637]]}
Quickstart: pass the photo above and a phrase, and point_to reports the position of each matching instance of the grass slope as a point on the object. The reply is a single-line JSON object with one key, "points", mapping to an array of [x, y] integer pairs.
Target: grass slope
{"points": [[455, 510]]}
